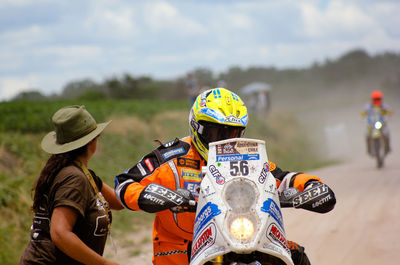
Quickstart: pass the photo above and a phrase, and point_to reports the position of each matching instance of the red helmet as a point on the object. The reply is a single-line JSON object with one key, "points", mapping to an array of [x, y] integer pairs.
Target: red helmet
{"points": [[376, 97]]}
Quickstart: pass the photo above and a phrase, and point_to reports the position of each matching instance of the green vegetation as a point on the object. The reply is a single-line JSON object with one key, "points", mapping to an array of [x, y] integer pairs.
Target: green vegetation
{"points": [[135, 126], [33, 116]]}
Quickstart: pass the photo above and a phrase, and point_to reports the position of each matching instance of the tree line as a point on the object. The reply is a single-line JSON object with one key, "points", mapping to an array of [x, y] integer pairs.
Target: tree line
{"points": [[377, 71]]}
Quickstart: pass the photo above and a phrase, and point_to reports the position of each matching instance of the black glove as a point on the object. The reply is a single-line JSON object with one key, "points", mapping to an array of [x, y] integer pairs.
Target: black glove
{"points": [[155, 198]]}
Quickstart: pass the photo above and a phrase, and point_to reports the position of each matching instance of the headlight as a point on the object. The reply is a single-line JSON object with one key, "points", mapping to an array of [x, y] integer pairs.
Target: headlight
{"points": [[240, 194], [242, 228], [378, 125]]}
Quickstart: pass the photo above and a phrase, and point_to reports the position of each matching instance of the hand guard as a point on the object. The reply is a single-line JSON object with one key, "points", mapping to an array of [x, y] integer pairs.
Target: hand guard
{"points": [[316, 197], [156, 198]]}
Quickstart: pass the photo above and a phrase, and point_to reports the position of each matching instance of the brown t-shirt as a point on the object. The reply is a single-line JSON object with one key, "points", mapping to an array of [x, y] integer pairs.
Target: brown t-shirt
{"points": [[70, 188]]}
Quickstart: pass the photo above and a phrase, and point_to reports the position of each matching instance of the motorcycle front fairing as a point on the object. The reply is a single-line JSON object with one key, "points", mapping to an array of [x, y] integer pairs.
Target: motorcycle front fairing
{"points": [[238, 208], [376, 123]]}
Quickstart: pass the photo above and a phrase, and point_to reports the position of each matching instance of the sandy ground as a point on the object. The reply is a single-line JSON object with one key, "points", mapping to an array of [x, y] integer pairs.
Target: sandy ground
{"points": [[364, 227]]}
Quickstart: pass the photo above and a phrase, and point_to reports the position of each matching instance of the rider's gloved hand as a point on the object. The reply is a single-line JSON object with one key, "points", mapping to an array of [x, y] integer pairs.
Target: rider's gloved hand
{"points": [[301, 180], [311, 183], [189, 204]]}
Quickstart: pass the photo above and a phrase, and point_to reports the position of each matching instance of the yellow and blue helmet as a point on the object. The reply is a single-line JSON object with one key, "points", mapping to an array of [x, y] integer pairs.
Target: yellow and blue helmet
{"points": [[217, 114]]}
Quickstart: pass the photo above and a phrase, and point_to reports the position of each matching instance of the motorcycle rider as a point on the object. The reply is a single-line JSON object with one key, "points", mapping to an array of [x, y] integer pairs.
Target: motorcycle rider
{"points": [[377, 105], [172, 172]]}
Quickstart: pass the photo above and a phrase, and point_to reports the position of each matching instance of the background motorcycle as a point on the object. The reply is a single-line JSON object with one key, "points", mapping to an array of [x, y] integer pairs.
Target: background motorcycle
{"points": [[376, 138]]}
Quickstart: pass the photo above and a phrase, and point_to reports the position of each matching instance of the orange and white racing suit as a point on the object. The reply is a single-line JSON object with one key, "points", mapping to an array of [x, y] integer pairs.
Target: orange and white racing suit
{"points": [[174, 165]]}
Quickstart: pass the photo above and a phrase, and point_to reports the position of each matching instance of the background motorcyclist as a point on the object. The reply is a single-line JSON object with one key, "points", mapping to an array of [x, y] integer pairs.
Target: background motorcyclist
{"points": [[171, 175], [377, 106]]}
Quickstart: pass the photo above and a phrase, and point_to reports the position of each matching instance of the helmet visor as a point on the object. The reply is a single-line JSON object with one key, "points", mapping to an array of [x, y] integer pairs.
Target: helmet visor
{"points": [[211, 132]]}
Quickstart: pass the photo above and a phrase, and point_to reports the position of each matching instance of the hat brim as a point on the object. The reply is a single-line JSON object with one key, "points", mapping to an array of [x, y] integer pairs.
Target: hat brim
{"points": [[49, 143]]}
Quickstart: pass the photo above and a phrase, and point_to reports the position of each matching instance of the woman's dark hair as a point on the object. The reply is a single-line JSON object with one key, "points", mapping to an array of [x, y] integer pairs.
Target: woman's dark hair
{"points": [[54, 164]]}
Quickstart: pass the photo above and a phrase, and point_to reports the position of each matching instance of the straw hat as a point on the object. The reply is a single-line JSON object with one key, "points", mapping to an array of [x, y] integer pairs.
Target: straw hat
{"points": [[74, 128]]}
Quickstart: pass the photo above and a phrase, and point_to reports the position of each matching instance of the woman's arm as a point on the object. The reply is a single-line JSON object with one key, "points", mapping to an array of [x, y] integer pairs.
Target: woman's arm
{"points": [[62, 223], [109, 195]]}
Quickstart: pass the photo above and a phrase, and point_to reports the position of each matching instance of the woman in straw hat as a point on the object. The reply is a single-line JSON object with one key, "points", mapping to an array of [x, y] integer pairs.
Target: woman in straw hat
{"points": [[71, 205]]}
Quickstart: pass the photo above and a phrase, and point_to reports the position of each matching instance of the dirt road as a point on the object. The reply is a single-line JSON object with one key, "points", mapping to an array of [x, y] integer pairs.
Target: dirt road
{"points": [[364, 227]]}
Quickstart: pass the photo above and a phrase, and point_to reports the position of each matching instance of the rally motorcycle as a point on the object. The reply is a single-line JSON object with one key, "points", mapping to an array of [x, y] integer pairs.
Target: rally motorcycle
{"points": [[376, 137], [238, 217]]}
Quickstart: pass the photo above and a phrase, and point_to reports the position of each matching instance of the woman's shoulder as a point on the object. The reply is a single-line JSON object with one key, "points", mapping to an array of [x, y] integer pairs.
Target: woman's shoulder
{"points": [[71, 173]]}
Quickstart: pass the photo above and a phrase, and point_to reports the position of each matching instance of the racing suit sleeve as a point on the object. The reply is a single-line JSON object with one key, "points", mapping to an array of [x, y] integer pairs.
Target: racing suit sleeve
{"points": [[287, 179], [150, 185]]}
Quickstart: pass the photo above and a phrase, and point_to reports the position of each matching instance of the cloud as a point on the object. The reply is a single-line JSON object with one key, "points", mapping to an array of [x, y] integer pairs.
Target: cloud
{"points": [[10, 87], [23, 37], [69, 56], [111, 19], [163, 16], [20, 3], [339, 20]]}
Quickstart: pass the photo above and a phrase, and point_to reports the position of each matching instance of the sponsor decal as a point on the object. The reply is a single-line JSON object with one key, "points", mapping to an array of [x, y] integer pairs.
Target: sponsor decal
{"points": [[213, 114], [205, 215], [164, 193], [187, 162], [141, 169], [233, 119], [173, 152], [217, 175], [194, 187], [271, 189], [203, 100], [191, 174], [154, 199], [248, 147], [310, 194], [270, 207], [245, 119], [149, 164], [205, 239], [322, 201], [226, 149], [272, 247], [208, 192], [264, 173], [225, 158], [237, 147], [277, 235]]}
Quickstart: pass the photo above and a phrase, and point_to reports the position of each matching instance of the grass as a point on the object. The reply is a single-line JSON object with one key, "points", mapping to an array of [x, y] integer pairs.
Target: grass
{"points": [[35, 116], [21, 157]]}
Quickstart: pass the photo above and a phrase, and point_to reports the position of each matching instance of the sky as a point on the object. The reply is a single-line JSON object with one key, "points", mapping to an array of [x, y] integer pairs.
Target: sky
{"points": [[44, 44]]}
